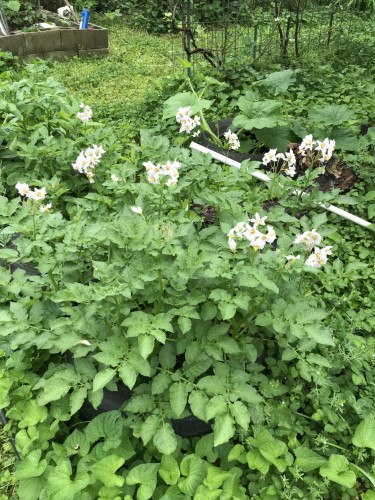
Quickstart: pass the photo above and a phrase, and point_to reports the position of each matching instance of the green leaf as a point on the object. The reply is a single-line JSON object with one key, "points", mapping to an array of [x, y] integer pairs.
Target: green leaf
{"points": [[178, 398], [215, 477], [258, 114], [208, 311], [184, 324], [364, 435], [31, 466], [256, 461], [198, 403], [227, 310], [241, 414], [128, 374], [320, 334], [182, 100], [5, 316], [105, 470], [102, 378], [146, 476], [30, 489], [8, 253], [369, 495], [77, 442], [307, 460], [13, 5], [60, 484], [77, 398], [205, 448], [224, 429], [345, 139], [165, 439], [146, 345], [279, 81], [160, 383], [272, 451], [338, 471], [217, 405], [107, 425], [167, 356], [317, 359], [149, 428], [277, 137], [169, 470], [192, 467], [335, 114], [33, 414]]}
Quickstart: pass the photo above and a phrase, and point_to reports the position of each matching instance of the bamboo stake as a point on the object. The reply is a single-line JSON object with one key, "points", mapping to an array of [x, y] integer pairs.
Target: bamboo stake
{"points": [[265, 178]]}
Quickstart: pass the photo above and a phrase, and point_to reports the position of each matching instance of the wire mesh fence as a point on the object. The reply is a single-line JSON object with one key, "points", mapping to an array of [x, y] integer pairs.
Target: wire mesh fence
{"points": [[272, 32]]}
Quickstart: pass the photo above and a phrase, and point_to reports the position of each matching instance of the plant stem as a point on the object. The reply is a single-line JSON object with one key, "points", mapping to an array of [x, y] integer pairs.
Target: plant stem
{"points": [[53, 281], [161, 291], [369, 477], [160, 199], [34, 227]]}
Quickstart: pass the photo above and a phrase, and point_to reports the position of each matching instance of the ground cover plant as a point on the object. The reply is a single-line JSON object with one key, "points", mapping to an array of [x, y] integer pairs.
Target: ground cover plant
{"points": [[125, 264]]}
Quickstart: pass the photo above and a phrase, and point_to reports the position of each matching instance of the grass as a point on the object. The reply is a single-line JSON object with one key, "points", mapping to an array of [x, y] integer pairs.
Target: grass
{"points": [[7, 461], [116, 85]]}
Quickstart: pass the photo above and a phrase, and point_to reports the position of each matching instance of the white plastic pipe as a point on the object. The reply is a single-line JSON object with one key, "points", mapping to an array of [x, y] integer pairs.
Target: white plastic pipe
{"points": [[265, 178]]}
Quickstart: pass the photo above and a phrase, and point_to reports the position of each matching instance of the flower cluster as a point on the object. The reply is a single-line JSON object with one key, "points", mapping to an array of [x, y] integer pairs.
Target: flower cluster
{"points": [[85, 114], [325, 147], [36, 195], [320, 255], [155, 172], [251, 233], [187, 123], [288, 159], [88, 160], [232, 139], [309, 238]]}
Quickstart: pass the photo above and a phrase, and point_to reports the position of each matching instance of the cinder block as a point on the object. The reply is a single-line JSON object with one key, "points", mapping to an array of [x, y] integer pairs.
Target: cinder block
{"points": [[101, 38], [77, 39], [92, 52], [13, 43], [60, 55], [42, 40], [30, 57]]}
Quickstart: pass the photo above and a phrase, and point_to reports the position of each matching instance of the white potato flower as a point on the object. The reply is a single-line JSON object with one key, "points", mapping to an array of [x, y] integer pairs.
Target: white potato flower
{"points": [[137, 210]]}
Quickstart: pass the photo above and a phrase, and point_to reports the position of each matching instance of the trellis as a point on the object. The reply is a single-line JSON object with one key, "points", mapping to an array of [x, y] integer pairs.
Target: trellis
{"points": [[263, 31]]}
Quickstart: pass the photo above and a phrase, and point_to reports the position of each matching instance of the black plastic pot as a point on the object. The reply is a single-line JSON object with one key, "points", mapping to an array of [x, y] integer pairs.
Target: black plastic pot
{"points": [[190, 426], [219, 129]]}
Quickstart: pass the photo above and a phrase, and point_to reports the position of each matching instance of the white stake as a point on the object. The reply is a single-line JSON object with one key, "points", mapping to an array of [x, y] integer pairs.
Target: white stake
{"points": [[263, 177]]}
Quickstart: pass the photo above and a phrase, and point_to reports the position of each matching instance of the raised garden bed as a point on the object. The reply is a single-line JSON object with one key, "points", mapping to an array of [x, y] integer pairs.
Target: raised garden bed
{"points": [[62, 42]]}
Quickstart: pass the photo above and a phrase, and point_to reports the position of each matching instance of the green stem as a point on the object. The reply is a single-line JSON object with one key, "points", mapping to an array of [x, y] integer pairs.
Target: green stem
{"points": [[336, 446], [161, 291], [369, 477], [204, 125], [34, 227], [53, 281], [160, 200]]}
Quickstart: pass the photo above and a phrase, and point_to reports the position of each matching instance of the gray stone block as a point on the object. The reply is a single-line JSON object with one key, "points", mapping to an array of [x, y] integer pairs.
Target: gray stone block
{"points": [[30, 57], [60, 55], [92, 52], [42, 41], [101, 38], [13, 43]]}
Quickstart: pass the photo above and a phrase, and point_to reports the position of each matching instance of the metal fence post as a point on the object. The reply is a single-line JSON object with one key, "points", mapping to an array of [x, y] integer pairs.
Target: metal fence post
{"points": [[188, 34], [330, 29]]}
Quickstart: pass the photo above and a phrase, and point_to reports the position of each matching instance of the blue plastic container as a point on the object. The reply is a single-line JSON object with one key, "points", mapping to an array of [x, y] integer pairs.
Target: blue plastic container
{"points": [[84, 19]]}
